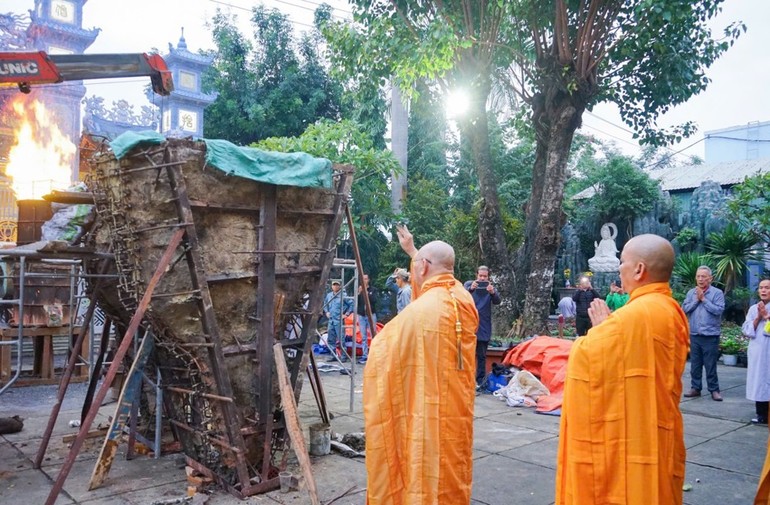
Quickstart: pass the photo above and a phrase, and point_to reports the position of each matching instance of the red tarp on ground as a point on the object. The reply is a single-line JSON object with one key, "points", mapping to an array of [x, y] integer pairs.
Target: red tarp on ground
{"points": [[546, 358]]}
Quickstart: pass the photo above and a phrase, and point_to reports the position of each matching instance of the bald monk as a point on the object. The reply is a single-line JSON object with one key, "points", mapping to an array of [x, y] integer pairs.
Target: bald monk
{"points": [[419, 389], [621, 439], [763, 489]]}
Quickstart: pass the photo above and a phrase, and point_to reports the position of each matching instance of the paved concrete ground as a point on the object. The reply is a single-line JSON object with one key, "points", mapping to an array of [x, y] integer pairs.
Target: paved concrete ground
{"points": [[514, 453]]}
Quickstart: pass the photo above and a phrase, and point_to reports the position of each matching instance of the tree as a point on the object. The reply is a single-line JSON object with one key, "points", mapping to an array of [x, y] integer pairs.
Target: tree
{"points": [[344, 142], [731, 249], [748, 205], [622, 191], [275, 86], [567, 55], [415, 40]]}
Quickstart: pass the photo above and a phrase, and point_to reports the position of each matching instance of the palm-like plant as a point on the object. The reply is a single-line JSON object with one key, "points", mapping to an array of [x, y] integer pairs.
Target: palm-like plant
{"points": [[687, 264], [731, 249]]}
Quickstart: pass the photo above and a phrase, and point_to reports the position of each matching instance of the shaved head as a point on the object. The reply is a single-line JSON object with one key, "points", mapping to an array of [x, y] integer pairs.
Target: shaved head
{"points": [[646, 259], [441, 254], [434, 258]]}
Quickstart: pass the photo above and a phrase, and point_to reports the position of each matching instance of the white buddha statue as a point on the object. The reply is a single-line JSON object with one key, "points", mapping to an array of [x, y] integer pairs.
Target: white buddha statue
{"points": [[605, 258]]}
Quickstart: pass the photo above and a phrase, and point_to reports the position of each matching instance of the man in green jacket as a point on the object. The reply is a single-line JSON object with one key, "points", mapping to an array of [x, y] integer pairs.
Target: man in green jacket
{"points": [[617, 297]]}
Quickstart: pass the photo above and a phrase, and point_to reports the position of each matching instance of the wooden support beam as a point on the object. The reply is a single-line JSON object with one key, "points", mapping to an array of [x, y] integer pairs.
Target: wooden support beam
{"points": [[293, 424], [136, 320]]}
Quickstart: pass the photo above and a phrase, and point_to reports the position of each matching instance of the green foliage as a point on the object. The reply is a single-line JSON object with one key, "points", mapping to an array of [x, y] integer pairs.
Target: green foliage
{"points": [[686, 266], [686, 238], [623, 191], [748, 205], [739, 297], [344, 142], [730, 250], [660, 56], [274, 86], [732, 340]]}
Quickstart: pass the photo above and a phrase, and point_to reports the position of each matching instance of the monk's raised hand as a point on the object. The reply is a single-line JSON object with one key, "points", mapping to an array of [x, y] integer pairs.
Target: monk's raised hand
{"points": [[598, 311], [762, 309], [406, 240]]}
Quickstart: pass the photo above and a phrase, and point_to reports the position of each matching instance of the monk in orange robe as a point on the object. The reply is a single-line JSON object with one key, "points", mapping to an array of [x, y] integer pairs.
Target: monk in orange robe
{"points": [[763, 490], [419, 390], [621, 439]]}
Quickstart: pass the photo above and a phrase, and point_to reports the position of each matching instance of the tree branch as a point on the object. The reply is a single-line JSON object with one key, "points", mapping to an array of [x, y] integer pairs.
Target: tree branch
{"points": [[409, 25]]}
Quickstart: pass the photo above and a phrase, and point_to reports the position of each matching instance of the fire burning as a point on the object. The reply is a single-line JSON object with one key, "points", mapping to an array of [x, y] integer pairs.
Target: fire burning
{"points": [[41, 157]]}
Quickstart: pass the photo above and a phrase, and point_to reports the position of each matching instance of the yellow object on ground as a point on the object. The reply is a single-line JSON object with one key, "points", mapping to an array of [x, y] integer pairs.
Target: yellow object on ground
{"points": [[621, 439], [419, 392]]}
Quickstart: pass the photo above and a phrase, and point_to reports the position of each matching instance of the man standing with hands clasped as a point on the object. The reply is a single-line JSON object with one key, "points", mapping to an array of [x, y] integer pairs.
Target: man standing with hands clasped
{"points": [[704, 306], [484, 296]]}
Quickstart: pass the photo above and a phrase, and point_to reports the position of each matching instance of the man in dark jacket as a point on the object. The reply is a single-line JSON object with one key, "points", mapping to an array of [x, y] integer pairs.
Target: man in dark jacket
{"points": [[583, 298], [484, 296], [363, 321]]}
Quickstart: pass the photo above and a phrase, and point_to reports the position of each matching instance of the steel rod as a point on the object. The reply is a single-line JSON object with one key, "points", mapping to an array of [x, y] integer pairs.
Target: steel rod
{"points": [[133, 326]]}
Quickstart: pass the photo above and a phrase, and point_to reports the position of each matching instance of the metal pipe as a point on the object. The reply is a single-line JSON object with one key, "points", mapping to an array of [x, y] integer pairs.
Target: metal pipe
{"points": [[158, 412], [22, 265]]}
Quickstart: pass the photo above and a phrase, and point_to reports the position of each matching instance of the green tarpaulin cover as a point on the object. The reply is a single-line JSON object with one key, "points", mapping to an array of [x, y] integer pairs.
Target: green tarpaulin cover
{"points": [[285, 169]]}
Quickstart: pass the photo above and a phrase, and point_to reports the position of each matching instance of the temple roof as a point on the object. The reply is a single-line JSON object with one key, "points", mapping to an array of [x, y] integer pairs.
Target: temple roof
{"points": [[204, 99], [182, 54], [682, 178], [38, 27]]}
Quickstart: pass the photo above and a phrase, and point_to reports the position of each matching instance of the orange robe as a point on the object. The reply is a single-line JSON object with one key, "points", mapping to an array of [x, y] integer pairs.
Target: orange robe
{"points": [[763, 490], [418, 406], [621, 439]]}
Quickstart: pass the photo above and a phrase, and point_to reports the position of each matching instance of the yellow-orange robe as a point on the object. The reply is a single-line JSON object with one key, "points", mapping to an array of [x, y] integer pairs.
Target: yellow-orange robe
{"points": [[418, 406], [621, 439], [763, 490]]}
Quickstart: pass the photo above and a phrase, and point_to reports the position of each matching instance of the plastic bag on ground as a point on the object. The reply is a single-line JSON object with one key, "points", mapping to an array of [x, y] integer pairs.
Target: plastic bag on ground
{"points": [[523, 390]]}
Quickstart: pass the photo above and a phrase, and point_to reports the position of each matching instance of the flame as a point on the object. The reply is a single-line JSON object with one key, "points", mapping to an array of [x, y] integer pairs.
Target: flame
{"points": [[41, 157]]}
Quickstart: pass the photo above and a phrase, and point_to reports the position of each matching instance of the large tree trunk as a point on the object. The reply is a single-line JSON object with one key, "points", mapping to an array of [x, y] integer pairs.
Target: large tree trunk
{"points": [[555, 117], [494, 252]]}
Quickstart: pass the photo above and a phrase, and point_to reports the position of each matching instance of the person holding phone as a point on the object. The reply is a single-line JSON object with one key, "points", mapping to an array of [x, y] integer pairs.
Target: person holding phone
{"points": [[583, 298], [484, 296]]}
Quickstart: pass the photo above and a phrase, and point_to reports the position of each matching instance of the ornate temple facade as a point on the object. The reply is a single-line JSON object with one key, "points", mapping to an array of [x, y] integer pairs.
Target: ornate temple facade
{"points": [[56, 27], [182, 111]]}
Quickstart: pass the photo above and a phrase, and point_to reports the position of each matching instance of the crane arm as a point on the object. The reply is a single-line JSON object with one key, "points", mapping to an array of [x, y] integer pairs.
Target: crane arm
{"points": [[33, 68]]}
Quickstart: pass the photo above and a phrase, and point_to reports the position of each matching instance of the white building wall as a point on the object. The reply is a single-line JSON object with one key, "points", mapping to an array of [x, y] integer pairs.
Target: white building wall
{"points": [[746, 142]]}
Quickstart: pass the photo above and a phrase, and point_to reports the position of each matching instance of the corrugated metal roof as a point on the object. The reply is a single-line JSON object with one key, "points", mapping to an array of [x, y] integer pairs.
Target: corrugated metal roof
{"points": [[691, 176]]}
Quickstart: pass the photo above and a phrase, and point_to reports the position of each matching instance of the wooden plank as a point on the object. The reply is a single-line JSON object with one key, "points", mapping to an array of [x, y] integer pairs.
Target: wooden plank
{"points": [[209, 323], [132, 388], [97, 433], [266, 307], [293, 424], [43, 331], [317, 294]]}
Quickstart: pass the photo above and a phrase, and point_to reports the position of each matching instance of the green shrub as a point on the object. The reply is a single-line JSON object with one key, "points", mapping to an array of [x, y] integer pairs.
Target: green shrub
{"points": [[732, 340]]}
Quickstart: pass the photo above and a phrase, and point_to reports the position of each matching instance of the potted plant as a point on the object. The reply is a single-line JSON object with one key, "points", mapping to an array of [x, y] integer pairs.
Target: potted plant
{"points": [[731, 343]]}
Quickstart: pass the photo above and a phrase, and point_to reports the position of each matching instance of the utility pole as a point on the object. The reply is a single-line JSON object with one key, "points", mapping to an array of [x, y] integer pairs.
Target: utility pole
{"points": [[399, 145]]}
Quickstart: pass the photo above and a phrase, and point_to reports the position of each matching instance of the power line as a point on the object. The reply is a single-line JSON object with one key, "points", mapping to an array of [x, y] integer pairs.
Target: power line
{"points": [[649, 165], [610, 122], [308, 8], [611, 135], [247, 9], [622, 128], [233, 6], [737, 138], [317, 4]]}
